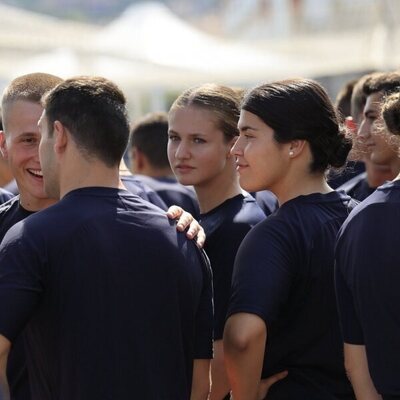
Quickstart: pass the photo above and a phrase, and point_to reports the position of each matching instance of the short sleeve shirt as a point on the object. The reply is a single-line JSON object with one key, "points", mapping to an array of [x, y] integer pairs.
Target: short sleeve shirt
{"points": [[284, 273], [225, 227], [367, 283], [111, 297]]}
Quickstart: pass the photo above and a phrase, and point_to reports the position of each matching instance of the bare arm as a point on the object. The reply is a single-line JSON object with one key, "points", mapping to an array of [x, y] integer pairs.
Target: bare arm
{"points": [[186, 220], [201, 380], [4, 350], [245, 336], [219, 379], [356, 363]]}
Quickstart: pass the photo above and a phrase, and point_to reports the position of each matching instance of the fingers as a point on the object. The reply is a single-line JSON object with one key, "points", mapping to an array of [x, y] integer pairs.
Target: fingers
{"points": [[277, 377], [174, 212], [199, 234], [265, 384], [186, 220]]}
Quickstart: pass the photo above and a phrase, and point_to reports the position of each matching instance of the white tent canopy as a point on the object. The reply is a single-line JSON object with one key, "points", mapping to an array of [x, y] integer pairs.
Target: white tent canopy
{"points": [[151, 32]]}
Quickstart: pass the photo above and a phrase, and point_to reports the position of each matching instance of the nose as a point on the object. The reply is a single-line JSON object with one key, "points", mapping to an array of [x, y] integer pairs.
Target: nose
{"points": [[182, 151], [363, 132], [237, 148]]}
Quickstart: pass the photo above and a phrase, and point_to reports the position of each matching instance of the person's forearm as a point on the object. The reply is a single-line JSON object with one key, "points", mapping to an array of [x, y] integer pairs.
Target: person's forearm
{"points": [[244, 355], [356, 364], [4, 390], [219, 379], [363, 387]]}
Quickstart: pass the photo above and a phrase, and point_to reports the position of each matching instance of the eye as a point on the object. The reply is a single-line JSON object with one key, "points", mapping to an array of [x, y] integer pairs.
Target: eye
{"points": [[29, 140], [199, 140], [173, 138]]}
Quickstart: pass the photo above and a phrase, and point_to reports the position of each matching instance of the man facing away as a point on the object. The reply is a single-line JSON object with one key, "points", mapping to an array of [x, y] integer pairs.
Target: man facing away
{"points": [[116, 303]]}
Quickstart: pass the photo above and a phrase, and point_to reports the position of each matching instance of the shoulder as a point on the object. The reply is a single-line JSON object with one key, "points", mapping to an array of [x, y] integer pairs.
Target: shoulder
{"points": [[378, 209], [5, 195]]}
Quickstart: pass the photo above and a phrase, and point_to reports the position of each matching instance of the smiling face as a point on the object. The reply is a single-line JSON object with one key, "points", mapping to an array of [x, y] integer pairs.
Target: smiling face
{"points": [[261, 161], [20, 146], [380, 149], [197, 149]]}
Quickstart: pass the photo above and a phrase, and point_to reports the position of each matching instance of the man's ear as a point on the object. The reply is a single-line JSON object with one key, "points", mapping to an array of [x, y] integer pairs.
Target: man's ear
{"points": [[138, 160], [3, 145], [60, 137], [296, 147]]}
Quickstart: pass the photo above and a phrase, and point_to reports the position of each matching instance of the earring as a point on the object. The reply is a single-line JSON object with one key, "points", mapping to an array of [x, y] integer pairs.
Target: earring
{"points": [[291, 153]]}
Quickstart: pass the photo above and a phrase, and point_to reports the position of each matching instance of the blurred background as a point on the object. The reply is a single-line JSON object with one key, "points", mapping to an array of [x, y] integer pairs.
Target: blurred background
{"points": [[153, 50]]}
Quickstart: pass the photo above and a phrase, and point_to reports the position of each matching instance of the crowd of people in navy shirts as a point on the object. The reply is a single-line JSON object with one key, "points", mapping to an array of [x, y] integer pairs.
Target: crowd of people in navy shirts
{"points": [[242, 245]]}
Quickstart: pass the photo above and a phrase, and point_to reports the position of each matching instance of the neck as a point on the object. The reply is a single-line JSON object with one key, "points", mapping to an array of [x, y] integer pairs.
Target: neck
{"points": [[30, 203], [88, 174], [212, 194], [156, 172], [379, 174], [300, 186]]}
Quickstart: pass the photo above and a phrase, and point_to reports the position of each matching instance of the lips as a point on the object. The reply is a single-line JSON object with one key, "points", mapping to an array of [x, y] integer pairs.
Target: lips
{"points": [[240, 166], [183, 168], [37, 173]]}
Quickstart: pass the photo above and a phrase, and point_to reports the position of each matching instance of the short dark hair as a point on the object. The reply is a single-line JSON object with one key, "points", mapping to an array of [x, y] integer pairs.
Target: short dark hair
{"points": [[359, 98], [149, 134], [391, 113], [222, 101], [301, 109], [385, 82], [343, 99], [93, 109]]}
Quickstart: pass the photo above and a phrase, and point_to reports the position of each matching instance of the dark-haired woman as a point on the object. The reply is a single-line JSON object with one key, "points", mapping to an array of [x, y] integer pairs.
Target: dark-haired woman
{"points": [[282, 311], [367, 277], [202, 129]]}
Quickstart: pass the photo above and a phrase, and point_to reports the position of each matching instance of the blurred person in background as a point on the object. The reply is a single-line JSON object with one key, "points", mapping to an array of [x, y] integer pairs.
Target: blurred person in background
{"points": [[381, 161], [202, 129], [343, 106]]}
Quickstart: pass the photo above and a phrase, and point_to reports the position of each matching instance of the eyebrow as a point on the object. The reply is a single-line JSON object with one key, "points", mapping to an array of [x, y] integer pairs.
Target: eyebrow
{"points": [[190, 134], [246, 128]]}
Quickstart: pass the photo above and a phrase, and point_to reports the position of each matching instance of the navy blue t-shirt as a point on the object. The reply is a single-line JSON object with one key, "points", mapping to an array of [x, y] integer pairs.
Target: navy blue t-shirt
{"points": [[367, 283], [358, 187], [338, 178], [135, 186], [225, 227], [12, 212], [5, 195], [173, 193], [115, 302], [284, 274]]}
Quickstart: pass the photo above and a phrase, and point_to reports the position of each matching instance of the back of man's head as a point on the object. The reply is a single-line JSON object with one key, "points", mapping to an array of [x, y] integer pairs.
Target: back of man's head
{"points": [[93, 109], [149, 135], [29, 87]]}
